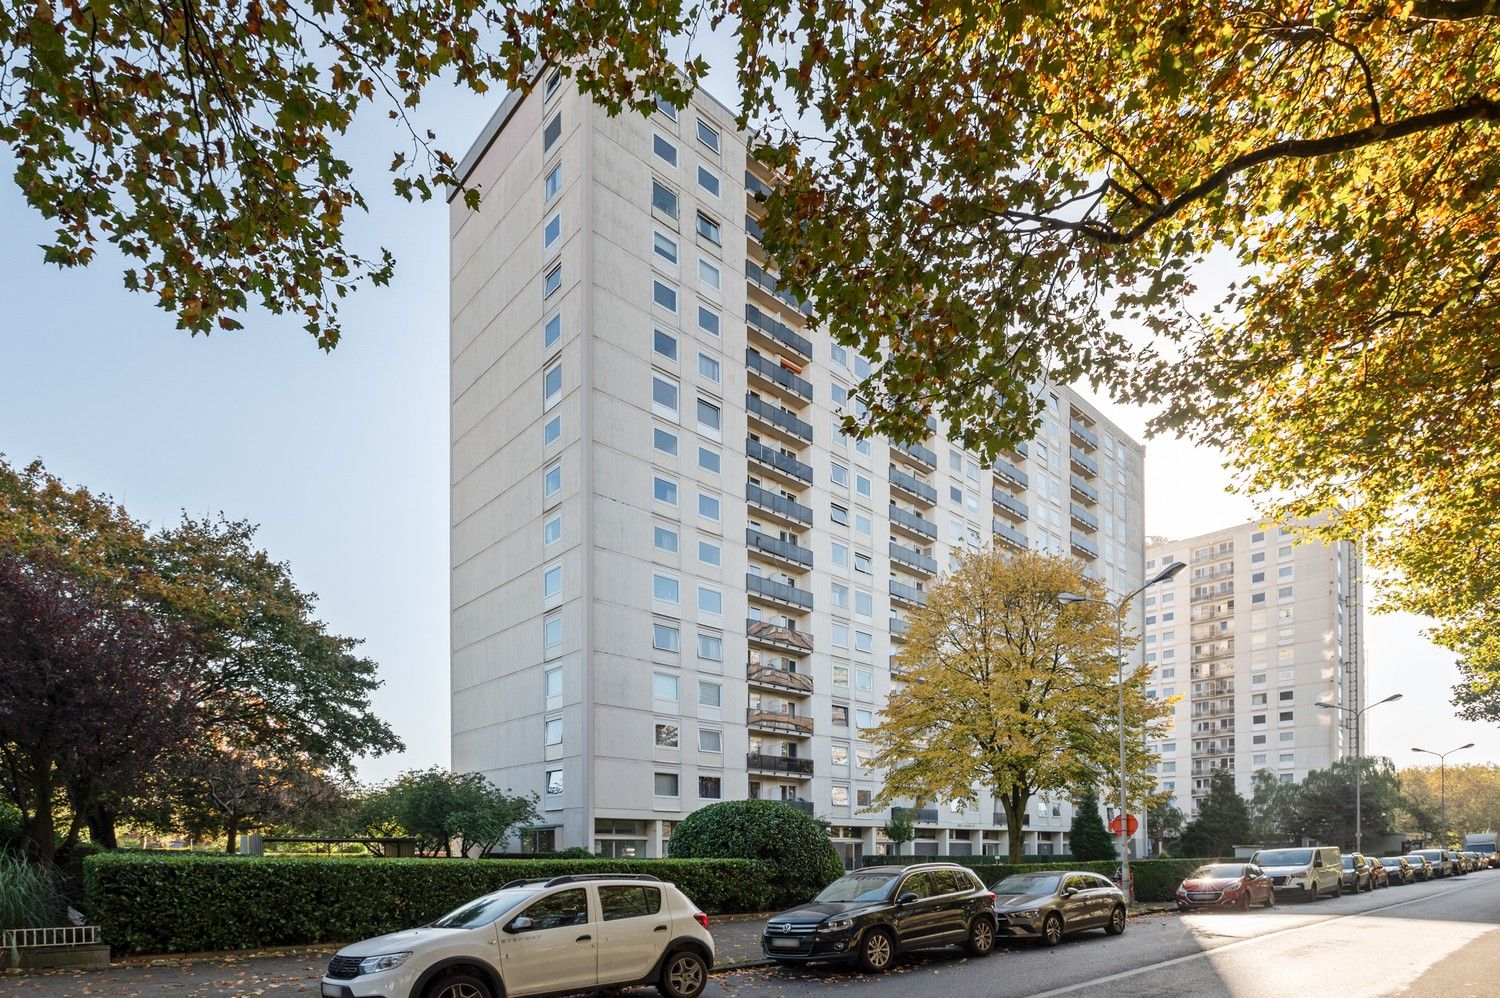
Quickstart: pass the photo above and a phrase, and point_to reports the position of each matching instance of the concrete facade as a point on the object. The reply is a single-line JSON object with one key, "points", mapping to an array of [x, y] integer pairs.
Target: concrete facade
{"points": [[673, 580]]}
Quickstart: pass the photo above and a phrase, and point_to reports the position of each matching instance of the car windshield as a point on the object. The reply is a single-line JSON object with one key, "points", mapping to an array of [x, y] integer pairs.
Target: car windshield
{"points": [[1217, 872], [1348, 862], [1390, 862], [1028, 883], [484, 910], [1430, 854], [1284, 857], [858, 887]]}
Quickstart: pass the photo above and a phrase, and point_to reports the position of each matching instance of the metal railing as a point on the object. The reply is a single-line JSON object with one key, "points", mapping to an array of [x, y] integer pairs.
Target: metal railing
{"points": [[913, 558], [922, 455], [779, 591], [1084, 490], [1005, 501], [1082, 545], [797, 642], [778, 331], [777, 720], [1008, 472], [66, 935], [763, 278], [789, 765], [910, 593], [912, 484], [777, 416], [778, 547], [1083, 461], [757, 451], [899, 626], [757, 187], [1086, 436], [753, 229], [913, 522], [1082, 517], [1014, 538], [789, 508], [782, 679], [772, 371]]}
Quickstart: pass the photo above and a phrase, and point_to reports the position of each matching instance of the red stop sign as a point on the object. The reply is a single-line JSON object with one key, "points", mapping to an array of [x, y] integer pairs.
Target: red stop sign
{"points": [[1130, 824]]}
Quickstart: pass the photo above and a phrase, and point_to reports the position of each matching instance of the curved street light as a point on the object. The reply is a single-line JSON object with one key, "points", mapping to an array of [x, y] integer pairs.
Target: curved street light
{"points": [[1443, 776], [1358, 766]]}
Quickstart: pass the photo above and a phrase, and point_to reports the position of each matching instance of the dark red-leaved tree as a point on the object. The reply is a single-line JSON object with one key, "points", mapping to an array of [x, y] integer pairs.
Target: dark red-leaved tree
{"points": [[92, 692]]}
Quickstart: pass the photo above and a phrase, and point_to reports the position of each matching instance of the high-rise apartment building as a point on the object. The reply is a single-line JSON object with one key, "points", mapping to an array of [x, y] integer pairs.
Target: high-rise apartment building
{"points": [[674, 581], [1257, 630]]}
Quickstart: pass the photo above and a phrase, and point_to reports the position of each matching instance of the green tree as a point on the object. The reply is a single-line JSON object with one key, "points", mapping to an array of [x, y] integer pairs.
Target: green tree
{"points": [[1089, 839], [900, 829], [442, 809], [1164, 824], [1223, 821], [1325, 803], [794, 844], [1472, 796], [1273, 808], [1006, 690]]}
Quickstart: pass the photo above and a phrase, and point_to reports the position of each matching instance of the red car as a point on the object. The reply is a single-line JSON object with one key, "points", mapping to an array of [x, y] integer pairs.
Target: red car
{"points": [[1379, 875], [1235, 886]]}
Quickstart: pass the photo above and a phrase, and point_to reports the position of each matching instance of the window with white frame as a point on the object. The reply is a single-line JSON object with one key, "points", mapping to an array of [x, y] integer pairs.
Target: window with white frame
{"points": [[709, 368], [665, 149], [664, 395], [551, 132], [709, 181], [710, 230], [664, 296], [552, 581], [552, 183], [552, 281], [552, 231], [710, 693], [710, 419], [710, 600], [551, 531], [552, 731], [551, 431], [664, 539], [552, 383], [664, 490], [708, 320], [552, 481], [710, 740], [665, 637], [664, 588], [663, 247], [708, 135], [663, 199], [664, 686], [709, 277], [709, 507]]}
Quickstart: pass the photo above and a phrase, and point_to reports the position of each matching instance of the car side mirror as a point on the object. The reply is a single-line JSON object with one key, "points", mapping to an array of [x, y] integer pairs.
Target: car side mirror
{"points": [[1069, 891], [520, 924], [1318, 861], [908, 898]]}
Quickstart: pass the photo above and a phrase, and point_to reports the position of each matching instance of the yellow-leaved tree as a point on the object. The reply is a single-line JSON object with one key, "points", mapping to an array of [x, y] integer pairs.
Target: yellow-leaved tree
{"points": [[1006, 690]]}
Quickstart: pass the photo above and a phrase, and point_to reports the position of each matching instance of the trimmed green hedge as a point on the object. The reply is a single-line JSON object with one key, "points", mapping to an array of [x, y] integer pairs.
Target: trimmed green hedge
{"points": [[794, 844], [1155, 879], [155, 903]]}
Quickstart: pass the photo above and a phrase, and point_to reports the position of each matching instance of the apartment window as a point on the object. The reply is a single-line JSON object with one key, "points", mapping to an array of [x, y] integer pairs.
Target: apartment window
{"points": [[1285, 696], [552, 184], [664, 247], [551, 132], [664, 539], [841, 676], [710, 788], [664, 395], [552, 683], [1257, 739], [864, 680], [863, 641], [864, 605], [708, 507], [1287, 758], [708, 181], [1258, 719], [664, 440], [664, 490], [709, 368], [552, 731], [665, 150], [552, 431], [1285, 716], [665, 107], [663, 686], [1284, 592], [838, 513], [664, 637], [551, 231], [552, 581], [709, 229], [839, 554], [839, 596], [552, 631], [665, 785], [840, 796], [862, 563], [708, 320], [666, 735], [552, 481], [864, 718], [708, 276], [708, 459], [1258, 537], [840, 715], [710, 600], [839, 474], [710, 647], [1256, 578], [663, 199], [664, 588], [956, 496], [552, 332], [664, 295], [1258, 759], [552, 531], [554, 80], [862, 484], [861, 524], [709, 553], [710, 419], [664, 344], [708, 135], [710, 740], [1286, 737], [552, 385], [552, 281], [710, 694], [862, 798]]}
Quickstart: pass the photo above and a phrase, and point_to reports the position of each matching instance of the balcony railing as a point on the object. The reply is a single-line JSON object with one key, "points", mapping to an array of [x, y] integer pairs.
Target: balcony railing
{"points": [[756, 187], [1083, 490], [1082, 545], [784, 463], [753, 229], [778, 591], [1212, 710], [907, 592], [782, 638], [781, 679], [916, 452], [1083, 462], [805, 806], [899, 628], [1085, 436], [1009, 535], [791, 509], [912, 558], [913, 522], [778, 548], [772, 371], [912, 485], [779, 721], [1213, 688], [778, 331], [1011, 475], [786, 765], [1212, 649], [1012, 507], [1082, 517], [779, 417], [763, 279]]}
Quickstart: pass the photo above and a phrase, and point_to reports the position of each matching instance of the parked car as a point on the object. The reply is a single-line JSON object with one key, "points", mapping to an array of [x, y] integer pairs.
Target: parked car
{"points": [[1309, 872], [1476, 861], [873, 915], [530, 937], [1440, 860], [1226, 885], [1421, 867], [1047, 906], [1398, 870], [1356, 872], [1460, 865], [1379, 876]]}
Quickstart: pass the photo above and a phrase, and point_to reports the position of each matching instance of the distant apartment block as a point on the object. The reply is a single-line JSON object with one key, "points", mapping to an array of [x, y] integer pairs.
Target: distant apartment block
{"points": [[674, 580]]}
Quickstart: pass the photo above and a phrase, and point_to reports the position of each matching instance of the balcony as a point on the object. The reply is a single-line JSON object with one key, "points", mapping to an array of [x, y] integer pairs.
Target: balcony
{"points": [[1212, 671], [1083, 490], [763, 632], [767, 590], [1082, 546], [1219, 612], [1010, 476], [781, 765], [778, 420], [760, 278], [915, 454], [779, 679], [805, 806], [1009, 536], [1213, 688], [913, 486], [1082, 435], [913, 559], [753, 229], [777, 333], [779, 722], [777, 377], [779, 506], [911, 523], [1078, 459], [1013, 508], [792, 555], [1220, 747], [899, 630], [907, 594], [1213, 709], [780, 465], [1212, 649], [756, 187], [1082, 517]]}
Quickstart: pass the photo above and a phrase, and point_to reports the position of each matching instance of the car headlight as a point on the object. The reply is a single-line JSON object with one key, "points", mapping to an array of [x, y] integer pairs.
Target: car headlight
{"points": [[837, 925], [387, 961], [1028, 913]]}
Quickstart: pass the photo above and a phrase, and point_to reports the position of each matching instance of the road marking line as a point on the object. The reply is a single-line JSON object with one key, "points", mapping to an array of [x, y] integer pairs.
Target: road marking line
{"points": [[1124, 974]]}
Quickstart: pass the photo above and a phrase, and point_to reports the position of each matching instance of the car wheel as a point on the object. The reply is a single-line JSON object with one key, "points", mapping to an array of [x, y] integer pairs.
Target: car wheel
{"points": [[1338, 890], [458, 986], [1116, 926], [1314, 893], [684, 975], [1244, 902], [876, 951], [981, 937], [1271, 897], [1052, 930]]}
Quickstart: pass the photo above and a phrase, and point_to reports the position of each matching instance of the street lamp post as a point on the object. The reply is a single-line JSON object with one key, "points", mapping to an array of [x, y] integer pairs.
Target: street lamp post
{"points": [[1443, 781], [1119, 609], [1358, 764]]}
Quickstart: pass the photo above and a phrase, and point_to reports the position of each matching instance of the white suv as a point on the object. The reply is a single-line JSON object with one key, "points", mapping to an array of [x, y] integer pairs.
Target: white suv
{"points": [[537, 937]]}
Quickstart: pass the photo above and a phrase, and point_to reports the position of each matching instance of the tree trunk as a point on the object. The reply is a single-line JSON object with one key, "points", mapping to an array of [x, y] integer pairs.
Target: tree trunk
{"points": [[1014, 802], [101, 819], [232, 836], [39, 831]]}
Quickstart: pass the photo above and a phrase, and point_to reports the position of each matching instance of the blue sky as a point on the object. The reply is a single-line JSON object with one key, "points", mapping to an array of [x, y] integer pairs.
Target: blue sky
{"points": [[342, 457]]}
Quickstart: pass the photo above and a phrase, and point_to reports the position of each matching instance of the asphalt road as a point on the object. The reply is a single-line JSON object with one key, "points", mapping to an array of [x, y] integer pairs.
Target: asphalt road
{"points": [[1438, 939]]}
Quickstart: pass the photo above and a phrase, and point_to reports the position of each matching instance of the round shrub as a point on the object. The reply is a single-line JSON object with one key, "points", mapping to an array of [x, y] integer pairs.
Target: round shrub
{"points": [[794, 844]]}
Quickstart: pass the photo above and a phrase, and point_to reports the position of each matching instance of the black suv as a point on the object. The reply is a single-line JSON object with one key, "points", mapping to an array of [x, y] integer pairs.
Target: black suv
{"points": [[869, 916]]}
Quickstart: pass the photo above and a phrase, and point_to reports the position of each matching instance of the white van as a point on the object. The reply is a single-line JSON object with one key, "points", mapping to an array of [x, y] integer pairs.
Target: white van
{"points": [[1312, 871]]}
